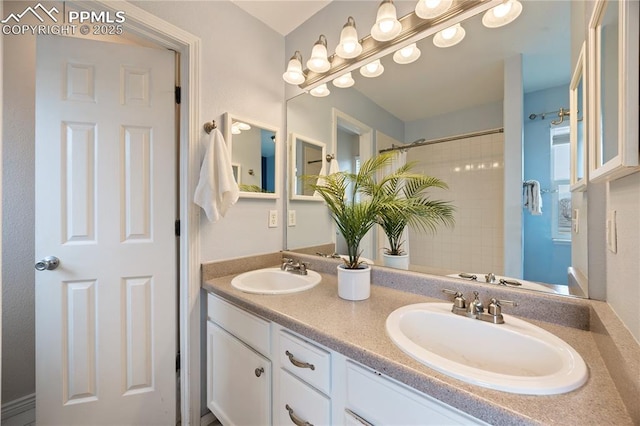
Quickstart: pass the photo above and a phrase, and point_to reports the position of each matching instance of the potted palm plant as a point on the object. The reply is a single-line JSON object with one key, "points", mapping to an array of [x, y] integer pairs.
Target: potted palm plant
{"points": [[356, 202], [418, 210]]}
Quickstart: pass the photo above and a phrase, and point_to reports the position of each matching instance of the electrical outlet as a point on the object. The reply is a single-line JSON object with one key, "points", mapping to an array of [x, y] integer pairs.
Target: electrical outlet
{"points": [[291, 219], [575, 221], [273, 218], [612, 231]]}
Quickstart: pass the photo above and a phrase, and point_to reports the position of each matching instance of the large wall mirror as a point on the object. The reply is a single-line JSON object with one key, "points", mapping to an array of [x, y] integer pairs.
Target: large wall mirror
{"points": [[457, 95], [254, 156], [613, 57]]}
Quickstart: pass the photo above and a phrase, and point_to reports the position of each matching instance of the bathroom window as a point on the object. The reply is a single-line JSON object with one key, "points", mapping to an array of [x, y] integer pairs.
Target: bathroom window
{"points": [[560, 184]]}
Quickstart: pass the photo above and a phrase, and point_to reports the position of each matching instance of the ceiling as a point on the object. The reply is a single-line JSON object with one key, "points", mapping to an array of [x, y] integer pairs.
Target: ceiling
{"points": [[282, 16]]}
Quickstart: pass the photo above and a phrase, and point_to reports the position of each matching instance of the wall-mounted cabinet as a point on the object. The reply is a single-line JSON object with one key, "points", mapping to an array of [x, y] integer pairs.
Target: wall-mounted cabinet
{"points": [[614, 150]]}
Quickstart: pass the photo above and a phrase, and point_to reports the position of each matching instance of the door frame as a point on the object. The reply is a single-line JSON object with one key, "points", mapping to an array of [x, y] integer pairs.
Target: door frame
{"points": [[163, 33]]}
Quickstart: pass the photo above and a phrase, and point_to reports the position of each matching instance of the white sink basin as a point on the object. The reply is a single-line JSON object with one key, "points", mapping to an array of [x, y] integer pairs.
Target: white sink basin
{"points": [[275, 281], [516, 356]]}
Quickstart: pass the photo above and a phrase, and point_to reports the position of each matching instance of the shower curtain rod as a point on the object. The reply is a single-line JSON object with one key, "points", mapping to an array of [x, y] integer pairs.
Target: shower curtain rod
{"points": [[422, 142]]}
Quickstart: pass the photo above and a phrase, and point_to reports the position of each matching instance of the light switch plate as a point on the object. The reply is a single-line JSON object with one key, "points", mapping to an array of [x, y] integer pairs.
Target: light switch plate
{"points": [[612, 231], [273, 218], [291, 218]]}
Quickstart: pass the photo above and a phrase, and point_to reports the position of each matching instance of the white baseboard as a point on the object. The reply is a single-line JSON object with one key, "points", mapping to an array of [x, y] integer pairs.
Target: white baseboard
{"points": [[17, 406], [207, 419]]}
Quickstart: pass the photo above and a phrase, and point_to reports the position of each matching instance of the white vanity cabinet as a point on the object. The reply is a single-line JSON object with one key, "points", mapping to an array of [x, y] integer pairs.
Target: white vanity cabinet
{"points": [[239, 372], [261, 373]]}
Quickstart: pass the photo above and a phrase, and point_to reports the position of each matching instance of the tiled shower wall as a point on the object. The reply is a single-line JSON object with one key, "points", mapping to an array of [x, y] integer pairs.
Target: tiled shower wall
{"points": [[474, 170]]}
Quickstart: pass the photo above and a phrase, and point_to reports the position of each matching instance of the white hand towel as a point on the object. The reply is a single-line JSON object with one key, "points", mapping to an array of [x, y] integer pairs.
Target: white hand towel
{"points": [[333, 168], [532, 197], [217, 189]]}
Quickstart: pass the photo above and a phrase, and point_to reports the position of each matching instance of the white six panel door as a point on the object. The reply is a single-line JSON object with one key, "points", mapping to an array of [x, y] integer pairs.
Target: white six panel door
{"points": [[105, 206]]}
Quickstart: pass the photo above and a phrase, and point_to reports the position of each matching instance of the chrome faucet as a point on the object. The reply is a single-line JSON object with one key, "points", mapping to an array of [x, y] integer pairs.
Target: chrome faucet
{"points": [[475, 309], [294, 267], [490, 277]]}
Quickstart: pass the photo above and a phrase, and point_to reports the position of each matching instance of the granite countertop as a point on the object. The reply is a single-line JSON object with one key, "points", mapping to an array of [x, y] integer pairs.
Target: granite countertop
{"points": [[357, 330]]}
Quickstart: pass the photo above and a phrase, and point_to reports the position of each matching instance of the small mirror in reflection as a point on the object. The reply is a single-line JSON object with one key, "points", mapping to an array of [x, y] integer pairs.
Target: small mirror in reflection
{"points": [[308, 158]]}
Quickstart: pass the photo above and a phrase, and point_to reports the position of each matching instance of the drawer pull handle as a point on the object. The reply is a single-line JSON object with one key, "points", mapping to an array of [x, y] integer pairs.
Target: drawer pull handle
{"points": [[259, 371], [358, 418], [298, 363], [295, 419]]}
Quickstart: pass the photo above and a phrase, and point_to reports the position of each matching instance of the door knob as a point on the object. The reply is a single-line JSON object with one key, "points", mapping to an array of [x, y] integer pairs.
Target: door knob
{"points": [[49, 263]]}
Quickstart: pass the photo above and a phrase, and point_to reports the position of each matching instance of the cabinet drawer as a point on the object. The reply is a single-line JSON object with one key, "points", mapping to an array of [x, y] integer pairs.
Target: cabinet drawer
{"points": [[249, 328], [305, 360], [300, 403], [381, 401]]}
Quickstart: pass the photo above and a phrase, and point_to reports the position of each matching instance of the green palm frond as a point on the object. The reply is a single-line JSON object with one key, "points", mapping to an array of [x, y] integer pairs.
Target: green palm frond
{"points": [[394, 201]]}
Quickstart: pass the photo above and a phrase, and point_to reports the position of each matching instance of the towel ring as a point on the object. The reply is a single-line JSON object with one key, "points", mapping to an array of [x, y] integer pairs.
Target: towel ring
{"points": [[208, 127]]}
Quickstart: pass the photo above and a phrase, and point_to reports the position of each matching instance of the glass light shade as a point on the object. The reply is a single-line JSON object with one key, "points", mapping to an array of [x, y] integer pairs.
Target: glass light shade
{"points": [[320, 91], [449, 36], [318, 62], [349, 46], [235, 130], [294, 74], [387, 26], [242, 126], [407, 54], [427, 9], [372, 69], [502, 14], [344, 81]]}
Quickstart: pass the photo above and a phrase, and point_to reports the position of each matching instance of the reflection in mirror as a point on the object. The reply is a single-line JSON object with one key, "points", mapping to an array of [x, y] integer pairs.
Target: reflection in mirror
{"points": [[577, 100], [461, 91], [253, 156], [308, 158]]}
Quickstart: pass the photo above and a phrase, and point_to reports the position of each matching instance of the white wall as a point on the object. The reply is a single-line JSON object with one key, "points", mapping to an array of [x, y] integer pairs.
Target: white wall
{"points": [[232, 44]]}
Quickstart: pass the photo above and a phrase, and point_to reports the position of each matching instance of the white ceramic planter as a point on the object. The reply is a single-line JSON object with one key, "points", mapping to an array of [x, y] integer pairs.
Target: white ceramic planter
{"points": [[396, 261], [354, 284]]}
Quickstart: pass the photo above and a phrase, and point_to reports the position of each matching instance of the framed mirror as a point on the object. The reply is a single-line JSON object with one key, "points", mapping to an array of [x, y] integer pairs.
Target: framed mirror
{"points": [[613, 80], [308, 157], [577, 106], [431, 100], [254, 156]]}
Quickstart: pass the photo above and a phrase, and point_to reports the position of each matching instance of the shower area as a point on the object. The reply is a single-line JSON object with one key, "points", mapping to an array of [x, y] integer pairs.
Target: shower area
{"points": [[473, 167]]}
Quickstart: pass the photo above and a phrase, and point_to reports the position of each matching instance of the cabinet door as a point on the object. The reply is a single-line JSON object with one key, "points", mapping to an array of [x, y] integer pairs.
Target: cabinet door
{"points": [[238, 380]]}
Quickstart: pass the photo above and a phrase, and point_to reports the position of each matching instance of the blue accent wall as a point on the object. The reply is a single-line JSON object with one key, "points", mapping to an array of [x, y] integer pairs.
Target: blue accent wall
{"points": [[544, 260]]}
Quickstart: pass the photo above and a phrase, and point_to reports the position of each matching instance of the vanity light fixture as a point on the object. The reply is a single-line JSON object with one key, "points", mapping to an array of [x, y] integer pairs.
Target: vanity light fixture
{"points": [[372, 69], [344, 81], [387, 26], [238, 126], [349, 46], [243, 126], [428, 9], [407, 54], [294, 73], [502, 14], [319, 61], [449, 36], [320, 91]]}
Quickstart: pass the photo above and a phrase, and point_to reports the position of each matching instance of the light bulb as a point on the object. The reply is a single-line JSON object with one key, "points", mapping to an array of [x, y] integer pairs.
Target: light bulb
{"points": [[501, 10], [294, 74], [344, 81], [372, 69], [502, 14], [387, 26], [407, 54], [449, 36], [320, 91], [349, 46], [428, 9], [319, 62]]}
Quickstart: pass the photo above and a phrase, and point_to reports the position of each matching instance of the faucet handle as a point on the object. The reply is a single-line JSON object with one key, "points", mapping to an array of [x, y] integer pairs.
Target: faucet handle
{"points": [[495, 306], [459, 302]]}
